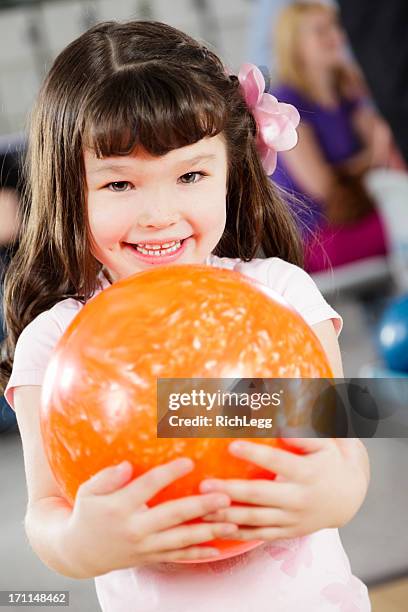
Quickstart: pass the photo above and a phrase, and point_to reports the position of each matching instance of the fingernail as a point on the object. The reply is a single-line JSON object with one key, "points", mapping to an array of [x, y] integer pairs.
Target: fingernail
{"points": [[228, 528], [211, 485], [112, 470], [122, 468], [222, 500], [184, 463]]}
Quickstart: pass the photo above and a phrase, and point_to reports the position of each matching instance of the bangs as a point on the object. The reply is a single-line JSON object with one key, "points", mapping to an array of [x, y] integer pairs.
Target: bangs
{"points": [[157, 110]]}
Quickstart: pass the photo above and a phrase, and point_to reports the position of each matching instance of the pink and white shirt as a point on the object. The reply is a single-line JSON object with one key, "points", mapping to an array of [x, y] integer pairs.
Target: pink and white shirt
{"points": [[306, 574]]}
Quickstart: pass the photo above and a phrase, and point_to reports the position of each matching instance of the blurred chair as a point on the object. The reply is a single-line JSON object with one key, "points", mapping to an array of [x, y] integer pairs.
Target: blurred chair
{"points": [[355, 277]]}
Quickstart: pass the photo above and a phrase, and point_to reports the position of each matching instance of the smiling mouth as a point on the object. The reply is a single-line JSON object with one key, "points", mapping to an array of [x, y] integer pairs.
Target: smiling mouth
{"points": [[156, 249]]}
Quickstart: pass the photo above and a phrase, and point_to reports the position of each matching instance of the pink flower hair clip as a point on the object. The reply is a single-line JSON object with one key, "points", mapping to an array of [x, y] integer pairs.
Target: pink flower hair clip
{"points": [[276, 121]]}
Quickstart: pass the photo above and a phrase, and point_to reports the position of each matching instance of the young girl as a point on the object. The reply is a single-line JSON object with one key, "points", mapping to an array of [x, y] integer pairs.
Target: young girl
{"points": [[143, 150]]}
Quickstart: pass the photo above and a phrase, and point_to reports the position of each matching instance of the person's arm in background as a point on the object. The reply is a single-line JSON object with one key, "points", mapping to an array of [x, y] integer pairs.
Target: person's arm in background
{"points": [[342, 199], [377, 142], [375, 138], [378, 35], [308, 166], [377, 145]]}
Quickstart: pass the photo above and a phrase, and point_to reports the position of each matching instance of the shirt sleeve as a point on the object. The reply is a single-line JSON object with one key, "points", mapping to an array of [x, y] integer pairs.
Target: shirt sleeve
{"points": [[300, 290], [295, 285], [32, 353]]}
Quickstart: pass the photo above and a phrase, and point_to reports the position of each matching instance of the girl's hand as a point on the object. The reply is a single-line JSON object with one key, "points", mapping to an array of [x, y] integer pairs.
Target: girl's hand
{"points": [[111, 527], [321, 489]]}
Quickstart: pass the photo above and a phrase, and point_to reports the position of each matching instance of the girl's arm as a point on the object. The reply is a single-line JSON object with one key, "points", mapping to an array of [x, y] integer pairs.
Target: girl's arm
{"points": [[47, 512], [353, 447], [328, 339]]}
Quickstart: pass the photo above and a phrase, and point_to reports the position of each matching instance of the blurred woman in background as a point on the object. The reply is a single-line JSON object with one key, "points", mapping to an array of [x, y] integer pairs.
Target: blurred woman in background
{"points": [[341, 137]]}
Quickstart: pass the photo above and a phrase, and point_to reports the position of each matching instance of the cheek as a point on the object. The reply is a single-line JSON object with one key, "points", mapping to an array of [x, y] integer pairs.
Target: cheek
{"points": [[211, 212], [107, 225]]}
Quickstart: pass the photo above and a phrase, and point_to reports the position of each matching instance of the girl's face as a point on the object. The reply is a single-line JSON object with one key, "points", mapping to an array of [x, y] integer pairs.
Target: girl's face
{"points": [[145, 211], [320, 40]]}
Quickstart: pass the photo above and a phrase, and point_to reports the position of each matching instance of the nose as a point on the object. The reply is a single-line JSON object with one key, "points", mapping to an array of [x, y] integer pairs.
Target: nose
{"points": [[158, 215]]}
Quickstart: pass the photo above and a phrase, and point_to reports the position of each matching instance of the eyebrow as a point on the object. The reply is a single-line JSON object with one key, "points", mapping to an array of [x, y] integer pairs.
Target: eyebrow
{"points": [[198, 158], [110, 168], [183, 162]]}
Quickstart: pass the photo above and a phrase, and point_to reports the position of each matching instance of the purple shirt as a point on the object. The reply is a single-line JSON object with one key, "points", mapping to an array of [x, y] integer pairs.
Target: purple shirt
{"points": [[334, 132]]}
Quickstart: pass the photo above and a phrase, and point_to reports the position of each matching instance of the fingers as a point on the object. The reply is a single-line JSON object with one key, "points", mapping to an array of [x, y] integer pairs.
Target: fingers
{"points": [[246, 515], [186, 535], [264, 533], [107, 480], [258, 492], [174, 512], [143, 488], [270, 458], [185, 554], [309, 445]]}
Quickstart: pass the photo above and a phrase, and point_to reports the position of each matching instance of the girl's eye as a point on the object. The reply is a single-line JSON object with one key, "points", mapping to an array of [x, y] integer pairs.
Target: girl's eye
{"points": [[118, 186], [190, 176]]}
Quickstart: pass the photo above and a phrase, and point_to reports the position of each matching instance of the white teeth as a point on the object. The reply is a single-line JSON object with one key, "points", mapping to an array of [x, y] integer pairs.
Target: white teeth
{"points": [[157, 249]]}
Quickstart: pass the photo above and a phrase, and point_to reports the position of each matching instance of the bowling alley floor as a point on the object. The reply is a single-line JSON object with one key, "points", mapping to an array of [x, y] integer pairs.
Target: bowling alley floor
{"points": [[390, 597], [376, 540]]}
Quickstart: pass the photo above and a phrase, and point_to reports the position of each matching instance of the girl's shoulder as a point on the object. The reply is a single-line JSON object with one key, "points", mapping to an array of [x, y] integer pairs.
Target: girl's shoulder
{"points": [[290, 281], [36, 343], [52, 322], [276, 273]]}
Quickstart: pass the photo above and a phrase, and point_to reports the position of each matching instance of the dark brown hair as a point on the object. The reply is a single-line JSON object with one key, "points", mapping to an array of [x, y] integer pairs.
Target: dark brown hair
{"points": [[116, 87]]}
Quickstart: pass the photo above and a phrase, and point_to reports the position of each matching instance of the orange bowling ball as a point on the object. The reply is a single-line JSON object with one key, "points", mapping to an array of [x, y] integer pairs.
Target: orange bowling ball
{"points": [[99, 398]]}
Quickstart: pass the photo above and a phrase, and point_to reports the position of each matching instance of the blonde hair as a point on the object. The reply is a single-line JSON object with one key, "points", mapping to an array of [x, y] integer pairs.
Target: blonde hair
{"points": [[289, 69]]}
